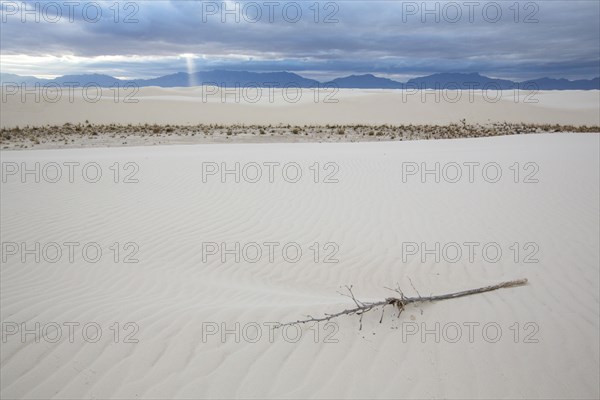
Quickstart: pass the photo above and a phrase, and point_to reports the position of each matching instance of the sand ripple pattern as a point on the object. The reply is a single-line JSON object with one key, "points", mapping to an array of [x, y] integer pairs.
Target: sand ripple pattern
{"points": [[172, 292]]}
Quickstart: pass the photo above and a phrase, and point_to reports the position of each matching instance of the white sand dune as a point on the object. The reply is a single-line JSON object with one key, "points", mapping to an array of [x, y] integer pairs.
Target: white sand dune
{"points": [[172, 293], [298, 107]]}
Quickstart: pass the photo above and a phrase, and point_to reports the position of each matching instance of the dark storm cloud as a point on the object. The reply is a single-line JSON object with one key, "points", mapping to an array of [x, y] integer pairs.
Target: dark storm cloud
{"points": [[544, 38]]}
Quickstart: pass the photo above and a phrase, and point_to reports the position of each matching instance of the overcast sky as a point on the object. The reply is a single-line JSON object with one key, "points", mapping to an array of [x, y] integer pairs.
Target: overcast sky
{"points": [[387, 38]]}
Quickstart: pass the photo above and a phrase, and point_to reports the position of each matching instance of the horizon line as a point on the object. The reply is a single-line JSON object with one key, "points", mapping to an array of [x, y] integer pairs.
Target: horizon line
{"points": [[298, 74]]}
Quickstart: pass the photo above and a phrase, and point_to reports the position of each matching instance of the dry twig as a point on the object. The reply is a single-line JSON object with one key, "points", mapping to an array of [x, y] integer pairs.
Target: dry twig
{"points": [[400, 302]]}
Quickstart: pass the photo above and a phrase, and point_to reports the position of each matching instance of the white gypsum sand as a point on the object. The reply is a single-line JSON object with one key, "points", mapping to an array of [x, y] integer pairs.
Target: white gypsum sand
{"points": [[295, 106], [175, 296]]}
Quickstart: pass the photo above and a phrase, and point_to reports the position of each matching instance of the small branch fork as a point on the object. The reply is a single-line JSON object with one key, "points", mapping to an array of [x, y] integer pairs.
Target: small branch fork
{"points": [[400, 302]]}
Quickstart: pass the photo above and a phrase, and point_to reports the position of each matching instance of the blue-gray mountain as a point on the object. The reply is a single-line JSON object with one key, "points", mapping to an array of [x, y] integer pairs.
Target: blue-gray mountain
{"points": [[288, 79]]}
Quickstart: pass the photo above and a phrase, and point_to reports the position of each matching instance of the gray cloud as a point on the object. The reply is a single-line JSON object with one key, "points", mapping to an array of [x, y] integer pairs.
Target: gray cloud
{"points": [[383, 37]]}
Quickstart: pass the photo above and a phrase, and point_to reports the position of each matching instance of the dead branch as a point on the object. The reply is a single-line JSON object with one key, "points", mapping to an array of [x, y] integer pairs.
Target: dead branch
{"points": [[363, 307]]}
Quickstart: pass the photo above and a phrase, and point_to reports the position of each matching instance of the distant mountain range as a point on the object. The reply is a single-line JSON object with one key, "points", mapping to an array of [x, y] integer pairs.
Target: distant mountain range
{"points": [[289, 79]]}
